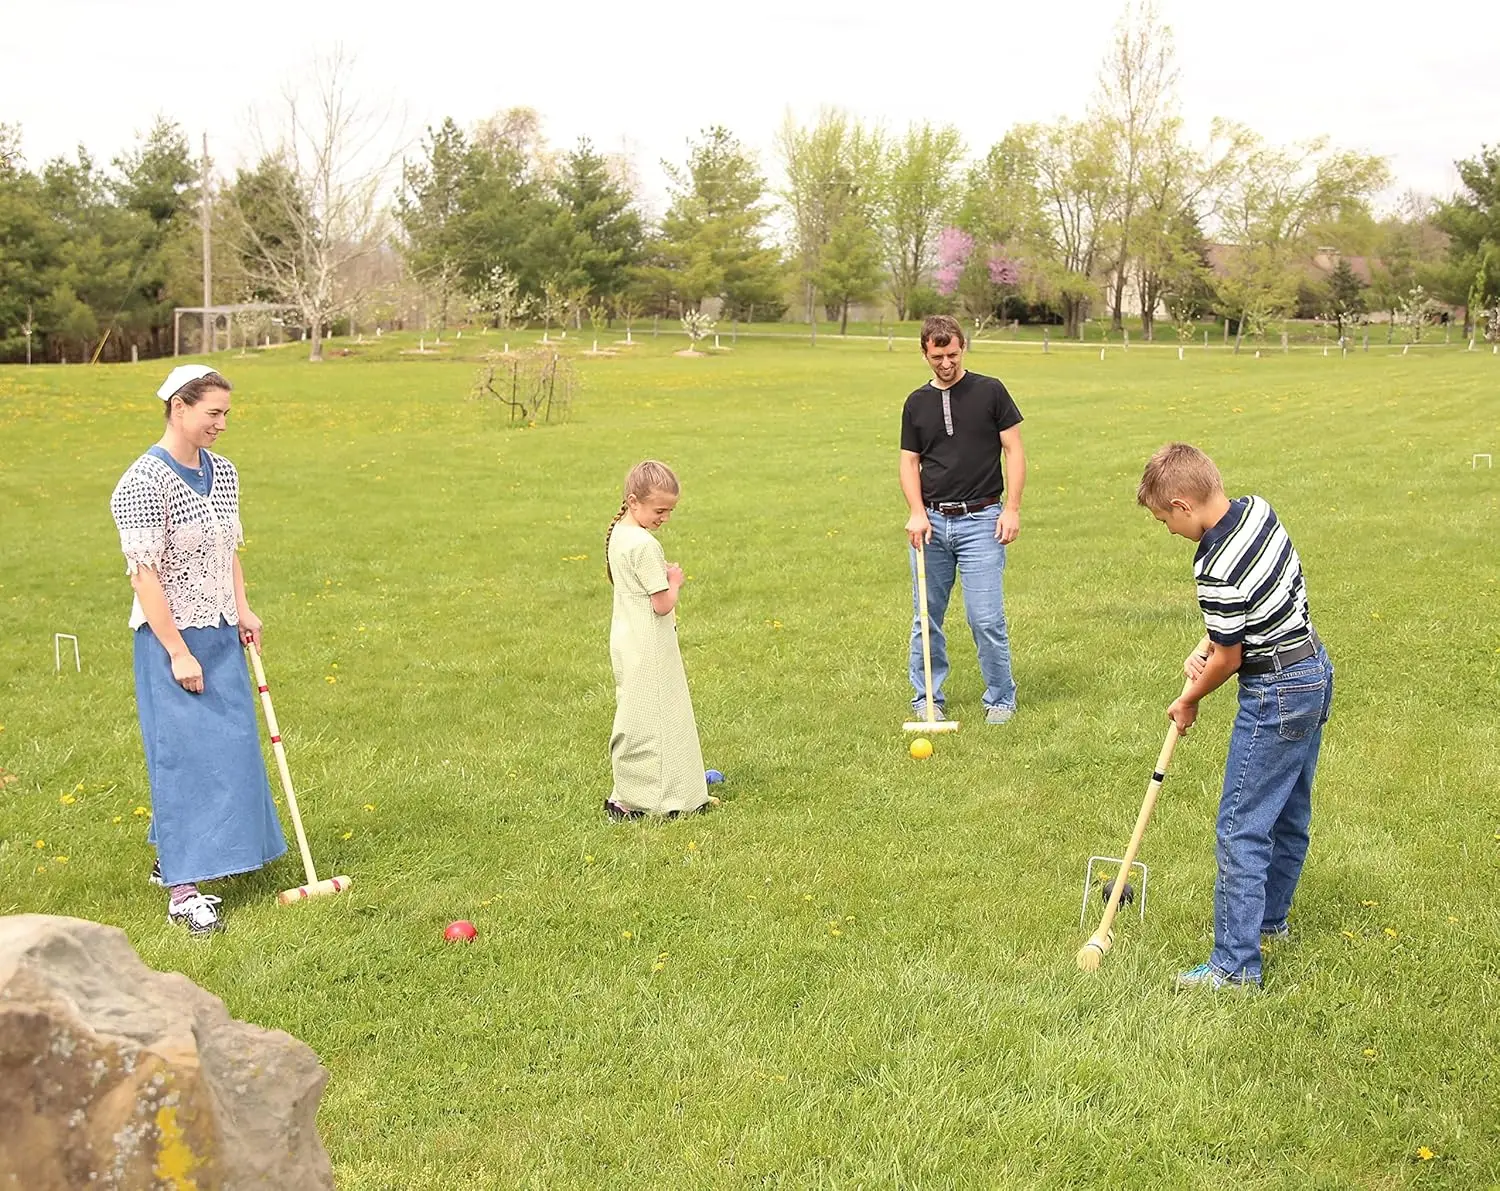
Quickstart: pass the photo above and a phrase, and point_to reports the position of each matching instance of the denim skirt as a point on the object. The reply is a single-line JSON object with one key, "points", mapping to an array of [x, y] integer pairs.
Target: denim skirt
{"points": [[211, 808]]}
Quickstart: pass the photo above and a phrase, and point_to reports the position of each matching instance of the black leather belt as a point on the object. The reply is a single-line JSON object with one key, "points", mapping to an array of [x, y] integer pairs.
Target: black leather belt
{"points": [[1270, 663], [957, 508]]}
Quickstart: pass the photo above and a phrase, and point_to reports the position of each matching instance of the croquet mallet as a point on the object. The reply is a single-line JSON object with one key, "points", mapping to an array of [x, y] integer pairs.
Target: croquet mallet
{"points": [[931, 723], [314, 887], [1092, 953]]}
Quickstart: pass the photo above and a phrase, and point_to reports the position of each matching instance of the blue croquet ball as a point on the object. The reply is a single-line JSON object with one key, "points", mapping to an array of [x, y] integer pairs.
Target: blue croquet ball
{"points": [[713, 777]]}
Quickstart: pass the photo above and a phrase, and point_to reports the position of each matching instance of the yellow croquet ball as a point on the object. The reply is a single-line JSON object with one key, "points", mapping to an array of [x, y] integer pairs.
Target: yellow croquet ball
{"points": [[921, 748]]}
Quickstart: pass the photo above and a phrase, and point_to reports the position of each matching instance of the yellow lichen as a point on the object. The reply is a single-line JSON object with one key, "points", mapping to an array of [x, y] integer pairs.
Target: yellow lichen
{"points": [[174, 1157]]}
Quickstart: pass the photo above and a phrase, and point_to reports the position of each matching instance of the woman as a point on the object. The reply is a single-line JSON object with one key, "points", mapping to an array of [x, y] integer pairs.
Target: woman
{"points": [[177, 509]]}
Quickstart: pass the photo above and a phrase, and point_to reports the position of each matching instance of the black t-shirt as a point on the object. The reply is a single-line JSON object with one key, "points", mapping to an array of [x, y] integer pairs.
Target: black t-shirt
{"points": [[964, 463]]}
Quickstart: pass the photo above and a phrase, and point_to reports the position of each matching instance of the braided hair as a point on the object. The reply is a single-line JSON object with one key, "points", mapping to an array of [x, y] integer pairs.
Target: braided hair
{"points": [[641, 481]]}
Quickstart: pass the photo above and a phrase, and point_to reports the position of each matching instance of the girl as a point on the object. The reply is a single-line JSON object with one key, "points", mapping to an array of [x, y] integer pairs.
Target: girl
{"points": [[654, 750], [177, 509]]}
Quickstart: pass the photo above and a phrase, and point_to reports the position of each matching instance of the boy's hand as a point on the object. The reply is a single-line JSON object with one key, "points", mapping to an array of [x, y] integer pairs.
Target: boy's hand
{"points": [[1195, 664], [674, 576], [1183, 713]]}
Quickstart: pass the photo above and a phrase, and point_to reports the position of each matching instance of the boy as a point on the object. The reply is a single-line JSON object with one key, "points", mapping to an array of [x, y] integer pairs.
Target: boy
{"points": [[1255, 609]]}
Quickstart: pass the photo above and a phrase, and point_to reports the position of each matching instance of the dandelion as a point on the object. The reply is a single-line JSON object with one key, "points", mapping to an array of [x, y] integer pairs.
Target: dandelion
{"points": [[1389, 933], [836, 933], [1369, 1052], [335, 666], [627, 935], [67, 800], [369, 806], [1452, 917], [329, 679], [1425, 1154], [361, 629], [692, 845], [658, 966], [41, 868], [1368, 904], [60, 859], [41, 843], [589, 859], [850, 918], [1348, 934], [140, 812], [78, 788], [118, 819], [807, 897], [347, 835]]}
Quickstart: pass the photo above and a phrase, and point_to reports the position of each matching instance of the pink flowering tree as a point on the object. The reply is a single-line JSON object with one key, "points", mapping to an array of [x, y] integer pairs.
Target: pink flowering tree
{"points": [[955, 247], [980, 281]]}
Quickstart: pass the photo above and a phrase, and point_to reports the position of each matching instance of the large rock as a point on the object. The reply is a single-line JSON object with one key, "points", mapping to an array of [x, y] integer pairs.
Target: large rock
{"points": [[115, 1076]]}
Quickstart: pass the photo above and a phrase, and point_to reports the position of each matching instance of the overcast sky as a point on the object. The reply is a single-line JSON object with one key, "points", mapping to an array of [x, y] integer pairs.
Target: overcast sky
{"points": [[1415, 85]]}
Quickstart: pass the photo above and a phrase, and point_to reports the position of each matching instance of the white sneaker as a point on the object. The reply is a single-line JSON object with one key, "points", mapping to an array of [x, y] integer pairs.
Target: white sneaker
{"points": [[198, 913]]}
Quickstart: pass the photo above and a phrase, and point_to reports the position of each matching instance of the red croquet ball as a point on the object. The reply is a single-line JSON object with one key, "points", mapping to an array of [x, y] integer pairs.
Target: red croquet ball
{"points": [[461, 931]]}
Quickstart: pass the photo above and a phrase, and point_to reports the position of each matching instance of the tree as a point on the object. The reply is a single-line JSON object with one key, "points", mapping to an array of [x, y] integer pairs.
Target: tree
{"points": [[159, 185], [29, 246], [598, 231], [1135, 101], [916, 195], [1346, 298], [323, 181], [1276, 203], [1074, 191], [832, 191], [1471, 218], [712, 237], [431, 209], [849, 268]]}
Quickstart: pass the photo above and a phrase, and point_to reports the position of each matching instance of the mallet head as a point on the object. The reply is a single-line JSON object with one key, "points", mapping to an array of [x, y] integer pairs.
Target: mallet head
{"points": [[316, 889]]}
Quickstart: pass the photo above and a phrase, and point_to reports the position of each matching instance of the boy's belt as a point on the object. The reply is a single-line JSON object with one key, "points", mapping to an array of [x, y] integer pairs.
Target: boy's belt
{"points": [[957, 508], [1271, 662]]}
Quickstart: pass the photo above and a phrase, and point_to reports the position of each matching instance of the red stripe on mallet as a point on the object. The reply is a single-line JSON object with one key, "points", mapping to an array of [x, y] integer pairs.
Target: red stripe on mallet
{"points": [[264, 690], [275, 740]]}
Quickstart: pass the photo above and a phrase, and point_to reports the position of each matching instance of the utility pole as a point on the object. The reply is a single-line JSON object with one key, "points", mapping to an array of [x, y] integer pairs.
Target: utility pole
{"points": [[210, 333]]}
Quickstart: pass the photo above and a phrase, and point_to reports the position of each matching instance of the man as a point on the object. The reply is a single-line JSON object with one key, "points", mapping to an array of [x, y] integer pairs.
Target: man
{"points": [[954, 431]]}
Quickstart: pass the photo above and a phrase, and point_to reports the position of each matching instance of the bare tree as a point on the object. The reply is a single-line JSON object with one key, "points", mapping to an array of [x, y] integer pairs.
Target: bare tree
{"points": [[327, 167], [1135, 99]]}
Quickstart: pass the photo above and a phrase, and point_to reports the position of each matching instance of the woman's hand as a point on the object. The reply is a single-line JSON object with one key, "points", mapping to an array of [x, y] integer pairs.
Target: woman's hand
{"points": [[187, 673], [250, 626]]}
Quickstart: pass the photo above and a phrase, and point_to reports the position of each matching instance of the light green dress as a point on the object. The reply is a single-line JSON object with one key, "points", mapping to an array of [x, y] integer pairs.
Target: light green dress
{"points": [[654, 747]]}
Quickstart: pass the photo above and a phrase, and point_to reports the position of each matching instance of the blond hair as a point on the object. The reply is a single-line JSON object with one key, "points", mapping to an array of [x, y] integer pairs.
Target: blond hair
{"points": [[1179, 471], [641, 481]]}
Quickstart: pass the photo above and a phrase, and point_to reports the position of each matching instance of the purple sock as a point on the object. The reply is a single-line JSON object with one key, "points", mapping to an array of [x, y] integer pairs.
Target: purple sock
{"points": [[180, 893]]}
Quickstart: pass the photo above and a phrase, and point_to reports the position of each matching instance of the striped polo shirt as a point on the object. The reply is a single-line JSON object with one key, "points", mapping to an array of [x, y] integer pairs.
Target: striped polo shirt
{"points": [[1250, 581]]}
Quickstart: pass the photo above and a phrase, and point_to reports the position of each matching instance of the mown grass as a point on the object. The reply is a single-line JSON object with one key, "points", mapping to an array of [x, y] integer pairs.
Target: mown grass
{"points": [[859, 972]]}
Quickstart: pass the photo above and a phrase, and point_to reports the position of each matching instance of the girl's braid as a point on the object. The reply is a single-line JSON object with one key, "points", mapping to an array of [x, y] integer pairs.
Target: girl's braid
{"points": [[608, 574]]}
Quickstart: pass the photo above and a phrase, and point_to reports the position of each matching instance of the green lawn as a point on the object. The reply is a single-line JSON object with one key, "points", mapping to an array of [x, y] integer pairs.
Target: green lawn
{"points": [[860, 972]]}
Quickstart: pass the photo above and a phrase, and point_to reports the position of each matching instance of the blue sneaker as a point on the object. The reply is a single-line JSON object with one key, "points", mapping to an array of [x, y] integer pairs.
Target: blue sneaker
{"points": [[1204, 976]]}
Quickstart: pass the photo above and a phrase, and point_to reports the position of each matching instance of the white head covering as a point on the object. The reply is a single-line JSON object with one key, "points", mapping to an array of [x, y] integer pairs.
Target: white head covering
{"points": [[180, 376]]}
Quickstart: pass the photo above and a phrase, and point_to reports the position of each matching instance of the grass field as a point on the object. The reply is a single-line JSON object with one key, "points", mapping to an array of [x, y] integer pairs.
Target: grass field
{"points": [[859, 972]]}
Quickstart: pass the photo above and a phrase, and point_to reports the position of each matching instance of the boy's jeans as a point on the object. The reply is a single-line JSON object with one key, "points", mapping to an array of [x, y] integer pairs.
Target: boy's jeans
{"points": [[1266, 807], [965, 546]]}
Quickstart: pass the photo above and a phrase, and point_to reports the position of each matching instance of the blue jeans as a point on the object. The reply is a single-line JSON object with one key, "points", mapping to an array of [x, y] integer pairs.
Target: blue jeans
{"points": [[1266, 807], [964, 548]]}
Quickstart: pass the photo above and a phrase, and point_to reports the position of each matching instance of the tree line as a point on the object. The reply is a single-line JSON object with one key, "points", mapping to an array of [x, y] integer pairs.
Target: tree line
{"points": [[1118, 209]]}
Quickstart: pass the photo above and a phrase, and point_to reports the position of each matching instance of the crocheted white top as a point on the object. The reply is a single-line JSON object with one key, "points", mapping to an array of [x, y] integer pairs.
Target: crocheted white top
{"points": [[186, 538]]}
